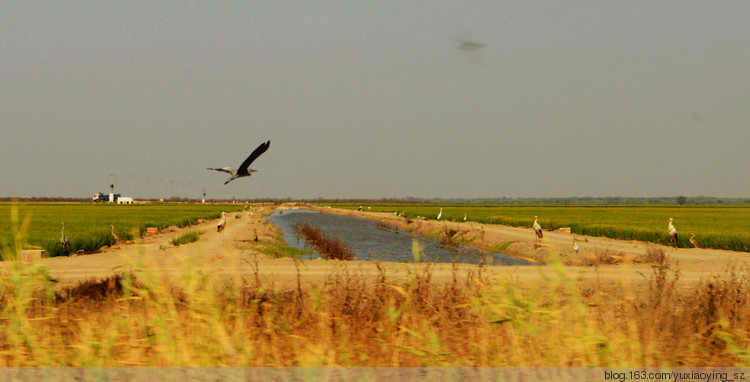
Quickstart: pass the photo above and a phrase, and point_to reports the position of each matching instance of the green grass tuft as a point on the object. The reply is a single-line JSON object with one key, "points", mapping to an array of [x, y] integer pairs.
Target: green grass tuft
{"points": [[185, 238]]}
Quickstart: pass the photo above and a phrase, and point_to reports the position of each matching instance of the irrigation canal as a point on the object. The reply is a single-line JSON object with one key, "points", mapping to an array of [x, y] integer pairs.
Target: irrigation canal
{"points": [[372, 242]]}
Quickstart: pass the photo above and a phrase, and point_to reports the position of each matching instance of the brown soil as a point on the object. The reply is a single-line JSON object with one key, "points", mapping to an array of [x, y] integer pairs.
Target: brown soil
{"points": [[236, 252]]}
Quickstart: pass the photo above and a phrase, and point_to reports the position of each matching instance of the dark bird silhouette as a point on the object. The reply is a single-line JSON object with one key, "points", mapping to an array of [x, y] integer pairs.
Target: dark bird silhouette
{"points": [[470, 45], [244, 169]]}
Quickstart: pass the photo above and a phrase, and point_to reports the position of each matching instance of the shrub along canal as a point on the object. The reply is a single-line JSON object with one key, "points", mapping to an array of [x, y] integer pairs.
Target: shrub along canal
{"points": [[371, 241]]}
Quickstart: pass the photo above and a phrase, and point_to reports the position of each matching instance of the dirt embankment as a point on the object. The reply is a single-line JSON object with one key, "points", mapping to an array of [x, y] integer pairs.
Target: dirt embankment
{"points": [[236, 252], [629, 257]]}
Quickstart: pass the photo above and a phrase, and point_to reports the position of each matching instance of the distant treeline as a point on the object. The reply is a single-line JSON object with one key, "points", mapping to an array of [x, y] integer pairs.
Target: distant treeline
{"points": [[174, 199], [614, 200], [43, 199]]}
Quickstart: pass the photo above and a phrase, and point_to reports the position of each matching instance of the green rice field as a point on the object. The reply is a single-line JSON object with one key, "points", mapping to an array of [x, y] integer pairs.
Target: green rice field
{"points": [[721, 227], [87, 225]]}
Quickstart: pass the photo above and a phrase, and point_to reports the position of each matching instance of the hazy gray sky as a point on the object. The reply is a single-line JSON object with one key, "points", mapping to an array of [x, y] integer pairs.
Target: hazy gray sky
{"points": [[374, 99]]}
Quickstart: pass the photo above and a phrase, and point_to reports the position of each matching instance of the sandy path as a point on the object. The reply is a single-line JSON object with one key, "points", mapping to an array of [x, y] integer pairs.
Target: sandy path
{"points": [[235, 252]]}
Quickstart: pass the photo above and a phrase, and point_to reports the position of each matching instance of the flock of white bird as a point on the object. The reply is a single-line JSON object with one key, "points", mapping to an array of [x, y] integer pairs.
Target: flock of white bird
{"points": [[671, 230], [539, 232]]}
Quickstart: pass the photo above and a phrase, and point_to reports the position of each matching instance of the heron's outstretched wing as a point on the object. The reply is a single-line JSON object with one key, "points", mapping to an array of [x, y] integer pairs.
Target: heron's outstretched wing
{"points": [[258, 151], [223, 169]]}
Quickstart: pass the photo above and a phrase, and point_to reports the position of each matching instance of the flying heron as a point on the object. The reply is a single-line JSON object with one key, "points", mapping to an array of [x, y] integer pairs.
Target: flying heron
{"points": [[244, 169]]}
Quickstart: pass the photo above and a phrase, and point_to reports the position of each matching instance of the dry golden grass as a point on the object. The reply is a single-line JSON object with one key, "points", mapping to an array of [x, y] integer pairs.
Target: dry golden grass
{"points": [[143, 318]]}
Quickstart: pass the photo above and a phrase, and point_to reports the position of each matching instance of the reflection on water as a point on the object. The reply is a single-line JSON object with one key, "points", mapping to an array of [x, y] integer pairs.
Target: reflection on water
{"points": [[371, 243]]}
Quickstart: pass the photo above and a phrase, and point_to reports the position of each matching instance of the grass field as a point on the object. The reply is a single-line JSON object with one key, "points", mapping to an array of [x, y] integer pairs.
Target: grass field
{"points": [[721, 227], [87, 226]]}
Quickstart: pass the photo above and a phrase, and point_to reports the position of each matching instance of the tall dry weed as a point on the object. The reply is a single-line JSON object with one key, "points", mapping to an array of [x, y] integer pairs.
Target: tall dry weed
{"points": [[330, 248], [389, 318]]}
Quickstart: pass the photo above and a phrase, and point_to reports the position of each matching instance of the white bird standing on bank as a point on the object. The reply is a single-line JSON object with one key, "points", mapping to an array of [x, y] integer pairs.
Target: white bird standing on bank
{"points": [[575, 245], [440, 214], [64, 239], [222, 222], [537, 228], [672, 232], [464, 217], [243, 170]]}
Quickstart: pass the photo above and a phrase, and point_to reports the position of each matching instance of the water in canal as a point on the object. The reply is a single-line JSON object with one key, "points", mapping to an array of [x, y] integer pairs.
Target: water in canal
{"points": [[371, 243]]}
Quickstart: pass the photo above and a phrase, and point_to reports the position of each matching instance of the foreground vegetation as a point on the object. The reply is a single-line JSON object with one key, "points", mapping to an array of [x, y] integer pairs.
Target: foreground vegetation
{"points": [[87, 225], [142, 318], [721, 227]]}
